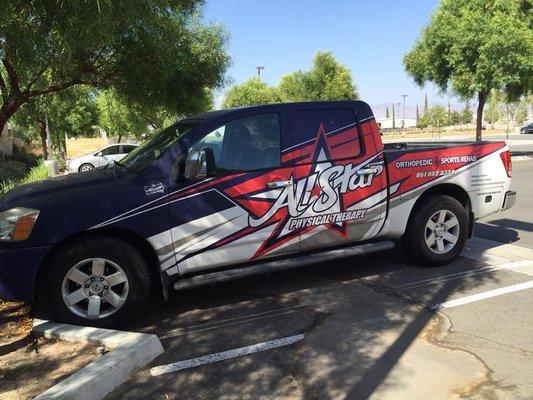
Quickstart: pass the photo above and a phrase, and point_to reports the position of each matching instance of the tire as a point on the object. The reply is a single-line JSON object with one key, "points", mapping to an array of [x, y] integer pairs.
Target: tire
{"points": [[85, 167], [105, 282], [432, 230]]}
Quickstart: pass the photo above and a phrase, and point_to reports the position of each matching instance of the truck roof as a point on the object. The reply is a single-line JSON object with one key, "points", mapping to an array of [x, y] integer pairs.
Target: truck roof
{"points": [[265, 107]]}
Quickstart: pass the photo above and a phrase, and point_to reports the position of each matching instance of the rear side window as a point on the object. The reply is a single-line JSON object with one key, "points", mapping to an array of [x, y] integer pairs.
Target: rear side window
{"points": [[339, 125], [110, 151]]}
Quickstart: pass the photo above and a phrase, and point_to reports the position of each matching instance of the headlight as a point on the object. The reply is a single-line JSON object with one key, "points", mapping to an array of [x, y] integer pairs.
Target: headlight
{"points": [[17, 223]]}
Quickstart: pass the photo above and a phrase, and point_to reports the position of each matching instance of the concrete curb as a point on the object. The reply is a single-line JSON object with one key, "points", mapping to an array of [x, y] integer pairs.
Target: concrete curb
{"points": [[131, 351]]}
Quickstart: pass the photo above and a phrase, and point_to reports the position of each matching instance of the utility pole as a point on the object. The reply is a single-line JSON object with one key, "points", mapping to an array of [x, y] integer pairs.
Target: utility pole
{"points": [[403, 121], [259, 71], [404, 96]]}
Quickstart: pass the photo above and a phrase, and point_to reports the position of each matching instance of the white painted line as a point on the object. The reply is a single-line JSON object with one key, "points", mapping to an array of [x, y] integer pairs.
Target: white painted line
{"points": [[521, 158], [463, 274], [225, 355], [485, 295]]}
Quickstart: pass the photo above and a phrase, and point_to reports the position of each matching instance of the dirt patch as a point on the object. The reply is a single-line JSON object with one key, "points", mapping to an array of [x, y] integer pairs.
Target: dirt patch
{"points": [[29, 366]]}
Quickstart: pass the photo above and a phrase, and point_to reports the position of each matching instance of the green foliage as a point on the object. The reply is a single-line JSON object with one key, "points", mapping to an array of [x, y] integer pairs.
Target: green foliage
{"points": [[12, 170], [71, 113], [252, 92], [117, 117], [417, 113], [474, 46], [425, 103], [436, 117], [493, 114], [37, 173], [467, 115], [154, 53], [21, 155], [327, 80]]}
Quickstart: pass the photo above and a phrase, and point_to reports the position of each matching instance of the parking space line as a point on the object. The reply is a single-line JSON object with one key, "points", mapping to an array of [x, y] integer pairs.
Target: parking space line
{"points": [[484, 295], [225, 355], [463, 274]]}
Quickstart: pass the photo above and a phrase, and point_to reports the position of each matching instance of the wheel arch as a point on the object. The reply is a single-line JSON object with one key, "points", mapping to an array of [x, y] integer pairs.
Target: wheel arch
{"points": [[452, 190], [134, 239]]}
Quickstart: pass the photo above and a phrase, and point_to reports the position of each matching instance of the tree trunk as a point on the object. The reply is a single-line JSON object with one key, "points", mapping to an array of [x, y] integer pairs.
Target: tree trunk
{"points": [[482, 98], [43, 132], [119, 138]]}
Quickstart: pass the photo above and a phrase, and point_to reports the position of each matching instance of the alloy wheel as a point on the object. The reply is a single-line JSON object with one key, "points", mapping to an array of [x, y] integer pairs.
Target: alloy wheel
{"points": [[95, 288], [442, 231]]}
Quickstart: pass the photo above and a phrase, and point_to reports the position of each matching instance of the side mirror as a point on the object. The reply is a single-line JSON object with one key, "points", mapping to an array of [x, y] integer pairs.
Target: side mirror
{"points": [[99, 154], [200, 164]]}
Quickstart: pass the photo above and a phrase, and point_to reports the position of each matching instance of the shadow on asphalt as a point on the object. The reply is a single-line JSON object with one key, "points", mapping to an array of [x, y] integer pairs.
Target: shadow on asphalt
{"points": [[344, 321], [494, 231]]}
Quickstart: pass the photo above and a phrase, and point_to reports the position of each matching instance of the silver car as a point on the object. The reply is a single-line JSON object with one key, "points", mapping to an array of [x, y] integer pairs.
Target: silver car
{"points": [[101, 157]]}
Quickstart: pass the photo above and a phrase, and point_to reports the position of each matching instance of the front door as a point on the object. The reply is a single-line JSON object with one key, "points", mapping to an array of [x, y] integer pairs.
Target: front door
{"points": [[233, 217]]}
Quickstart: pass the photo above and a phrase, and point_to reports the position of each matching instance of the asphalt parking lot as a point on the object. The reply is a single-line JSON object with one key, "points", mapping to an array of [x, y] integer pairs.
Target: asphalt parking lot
{"points": [[365, 327]]}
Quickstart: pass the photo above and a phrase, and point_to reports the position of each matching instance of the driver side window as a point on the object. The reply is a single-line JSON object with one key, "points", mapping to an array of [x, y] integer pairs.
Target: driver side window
{"points": [[245, 144]]}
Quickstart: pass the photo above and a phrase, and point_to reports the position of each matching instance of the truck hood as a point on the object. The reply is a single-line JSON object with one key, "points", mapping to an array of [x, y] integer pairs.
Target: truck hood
{"points": [[64, 187]]}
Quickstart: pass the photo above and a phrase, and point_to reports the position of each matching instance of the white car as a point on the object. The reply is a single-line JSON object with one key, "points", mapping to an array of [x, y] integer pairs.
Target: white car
{"points": [[113, 152]]}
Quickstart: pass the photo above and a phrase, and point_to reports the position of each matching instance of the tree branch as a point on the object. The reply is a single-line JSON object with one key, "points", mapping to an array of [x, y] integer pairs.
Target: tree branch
{"points": [[34, 79], [12, 75], [3, 87]]}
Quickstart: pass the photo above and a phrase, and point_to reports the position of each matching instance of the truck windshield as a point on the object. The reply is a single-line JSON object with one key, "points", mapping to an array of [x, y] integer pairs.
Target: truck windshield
{"points": [[154, 147]]}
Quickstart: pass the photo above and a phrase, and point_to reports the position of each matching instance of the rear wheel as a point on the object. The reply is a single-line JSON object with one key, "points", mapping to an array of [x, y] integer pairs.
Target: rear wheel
{"points": [[437, 230], [100, 282]]}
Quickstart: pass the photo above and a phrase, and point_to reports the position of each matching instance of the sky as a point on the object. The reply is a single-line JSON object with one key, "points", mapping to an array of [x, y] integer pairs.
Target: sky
{"points": [[369, 37]]}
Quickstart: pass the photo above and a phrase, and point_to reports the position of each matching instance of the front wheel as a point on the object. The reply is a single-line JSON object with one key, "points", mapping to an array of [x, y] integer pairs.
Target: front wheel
{"points": [[85, 167], [99, 281], [436, 231]]}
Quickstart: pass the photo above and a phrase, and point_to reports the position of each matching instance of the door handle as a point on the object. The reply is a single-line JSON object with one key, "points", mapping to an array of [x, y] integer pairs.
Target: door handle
{"points": [[278, 184], [367, 171]]}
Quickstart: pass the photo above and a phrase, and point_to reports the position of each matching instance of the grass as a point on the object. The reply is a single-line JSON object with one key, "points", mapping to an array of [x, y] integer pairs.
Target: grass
{"points": [[36, 173]]}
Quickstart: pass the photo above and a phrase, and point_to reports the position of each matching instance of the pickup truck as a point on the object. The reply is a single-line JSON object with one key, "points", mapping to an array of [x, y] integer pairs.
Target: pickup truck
{"points": [[238, 192]]}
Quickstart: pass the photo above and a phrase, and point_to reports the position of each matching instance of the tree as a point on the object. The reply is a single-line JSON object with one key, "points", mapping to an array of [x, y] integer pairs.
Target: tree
{"points": [[492, 114], [252, 92], [467, 115], [387, 112], [150, 51], [119, 118], [426, 103], [393, 118], [436, 117], [417, 114], [71, 112], [472, 47], [327, 80]]}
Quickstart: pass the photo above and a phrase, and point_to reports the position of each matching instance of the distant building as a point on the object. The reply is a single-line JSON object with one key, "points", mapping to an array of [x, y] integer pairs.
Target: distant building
{"points": [[386, 123]]}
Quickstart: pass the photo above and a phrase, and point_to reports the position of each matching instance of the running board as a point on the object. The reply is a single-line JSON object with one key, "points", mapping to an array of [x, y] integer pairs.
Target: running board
{"points": [[279, 265]]}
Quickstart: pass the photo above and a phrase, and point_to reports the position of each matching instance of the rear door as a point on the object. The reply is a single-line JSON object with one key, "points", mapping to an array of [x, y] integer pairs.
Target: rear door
{"points": [[339, 179]]}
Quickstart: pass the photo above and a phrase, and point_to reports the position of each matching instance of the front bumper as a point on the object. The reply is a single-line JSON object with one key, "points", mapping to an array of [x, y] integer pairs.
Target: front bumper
{"points": [[509, 200], [18, 272]]}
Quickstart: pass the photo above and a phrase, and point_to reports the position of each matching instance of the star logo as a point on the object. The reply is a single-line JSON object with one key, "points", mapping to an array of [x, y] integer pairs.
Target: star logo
{"points": [[314, 198]]}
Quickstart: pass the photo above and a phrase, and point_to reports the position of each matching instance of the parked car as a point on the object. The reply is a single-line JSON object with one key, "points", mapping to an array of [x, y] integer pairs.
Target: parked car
{"points": [[527, 129], [101, 157], [239, 192]]}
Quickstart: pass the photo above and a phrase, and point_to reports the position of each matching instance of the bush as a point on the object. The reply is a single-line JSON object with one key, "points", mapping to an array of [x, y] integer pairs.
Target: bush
{"points": [[12, 170], [37, 173], [21, 155]]}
